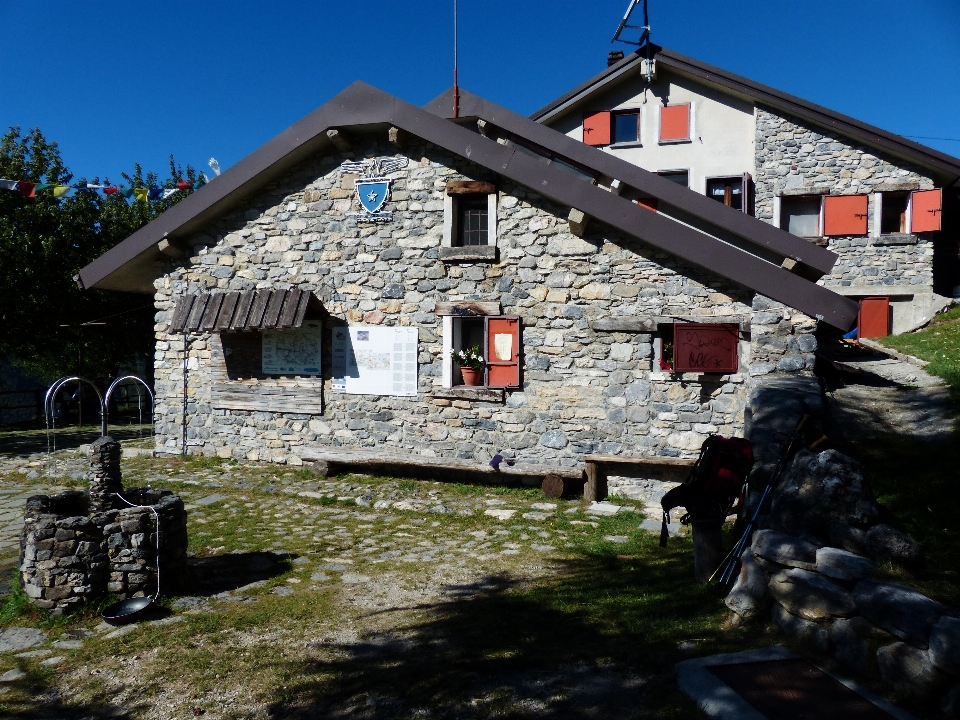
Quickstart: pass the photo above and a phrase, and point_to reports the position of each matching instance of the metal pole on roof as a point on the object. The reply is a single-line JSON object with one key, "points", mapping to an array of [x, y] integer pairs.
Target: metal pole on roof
{"points": [[456, 86]]}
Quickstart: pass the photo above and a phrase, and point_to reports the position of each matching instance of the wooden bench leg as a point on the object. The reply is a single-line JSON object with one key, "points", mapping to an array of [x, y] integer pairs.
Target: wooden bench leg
{"points": [[595, 488]]}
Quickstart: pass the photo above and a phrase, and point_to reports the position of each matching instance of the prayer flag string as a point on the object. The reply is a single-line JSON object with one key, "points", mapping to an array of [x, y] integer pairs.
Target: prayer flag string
{"points": [[29, 189]]}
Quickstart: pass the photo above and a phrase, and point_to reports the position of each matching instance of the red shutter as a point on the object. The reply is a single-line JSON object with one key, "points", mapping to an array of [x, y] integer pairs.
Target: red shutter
{"points": [[596, 128], [874, 320], [845, 215], [675, 122], [927, 210], [648, 203], [503, 351], [705, 347]]}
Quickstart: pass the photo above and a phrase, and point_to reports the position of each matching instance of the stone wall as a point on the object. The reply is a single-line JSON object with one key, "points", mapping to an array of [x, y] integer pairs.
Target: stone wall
{"points": [[583, 391], [794, 159]]}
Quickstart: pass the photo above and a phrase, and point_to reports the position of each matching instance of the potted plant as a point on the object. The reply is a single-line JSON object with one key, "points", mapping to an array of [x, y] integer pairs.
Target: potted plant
{"points": [[471, 364]]}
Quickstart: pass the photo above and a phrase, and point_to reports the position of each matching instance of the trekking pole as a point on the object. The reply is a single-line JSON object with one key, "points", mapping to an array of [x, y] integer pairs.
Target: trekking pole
{"points": [[729, 566]]}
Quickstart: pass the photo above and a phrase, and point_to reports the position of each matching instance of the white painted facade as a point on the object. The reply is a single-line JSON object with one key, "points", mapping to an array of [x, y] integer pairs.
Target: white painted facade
{"points": [[722, 127]]}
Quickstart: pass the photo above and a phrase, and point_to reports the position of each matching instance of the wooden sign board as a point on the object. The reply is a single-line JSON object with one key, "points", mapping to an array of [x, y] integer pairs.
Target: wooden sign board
{"points": [[705, 348]]}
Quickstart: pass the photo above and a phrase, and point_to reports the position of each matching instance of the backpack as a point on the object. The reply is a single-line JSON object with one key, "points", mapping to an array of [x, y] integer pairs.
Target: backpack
{"points": [[714, 483]]}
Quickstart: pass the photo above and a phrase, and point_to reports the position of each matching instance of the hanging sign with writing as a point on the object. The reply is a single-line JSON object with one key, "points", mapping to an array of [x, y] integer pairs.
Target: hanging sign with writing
{"points": [[705, 347]]}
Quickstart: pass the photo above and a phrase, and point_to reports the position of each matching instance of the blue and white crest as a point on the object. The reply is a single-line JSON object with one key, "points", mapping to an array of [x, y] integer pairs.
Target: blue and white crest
{"points": [[372, 193], [373, 185]]}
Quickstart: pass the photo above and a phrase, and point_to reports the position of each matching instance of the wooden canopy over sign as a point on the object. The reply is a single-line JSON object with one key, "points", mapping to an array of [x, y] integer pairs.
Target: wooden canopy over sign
{"points": [[251, 310]]}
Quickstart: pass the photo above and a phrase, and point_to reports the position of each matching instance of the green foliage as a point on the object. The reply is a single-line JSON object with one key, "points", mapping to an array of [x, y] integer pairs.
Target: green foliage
{"points": [[45, 319]]}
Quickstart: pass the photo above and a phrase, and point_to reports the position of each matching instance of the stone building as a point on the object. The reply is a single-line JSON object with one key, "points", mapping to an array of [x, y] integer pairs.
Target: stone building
{"points": [[887, 206], [314, 297]]}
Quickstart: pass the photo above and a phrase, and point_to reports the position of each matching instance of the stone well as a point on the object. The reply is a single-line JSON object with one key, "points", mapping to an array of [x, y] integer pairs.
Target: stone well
{"points": [[81, 544]]}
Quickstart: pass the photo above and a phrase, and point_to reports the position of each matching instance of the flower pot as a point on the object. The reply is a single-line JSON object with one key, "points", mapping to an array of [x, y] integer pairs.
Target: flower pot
{"points": [[470, 376]]}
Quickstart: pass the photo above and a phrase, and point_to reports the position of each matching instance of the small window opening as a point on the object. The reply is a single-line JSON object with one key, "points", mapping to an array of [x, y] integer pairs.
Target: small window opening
{"points": [[680, 177], [626, 127], [467, 334], [800, 216], [728, 191], [471, 220], [893, 213]]}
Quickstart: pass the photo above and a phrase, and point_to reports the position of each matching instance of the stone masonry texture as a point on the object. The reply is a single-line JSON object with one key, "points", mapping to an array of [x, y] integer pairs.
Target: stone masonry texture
{"points": [[583, 391]]}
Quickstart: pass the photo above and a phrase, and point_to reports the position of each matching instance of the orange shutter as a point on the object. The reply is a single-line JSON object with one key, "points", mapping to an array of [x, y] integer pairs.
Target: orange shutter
{"points": [[675, 122], [648, 203], [874, 318], [927, 210], [503, 351], [845, 215], [596, 128]]}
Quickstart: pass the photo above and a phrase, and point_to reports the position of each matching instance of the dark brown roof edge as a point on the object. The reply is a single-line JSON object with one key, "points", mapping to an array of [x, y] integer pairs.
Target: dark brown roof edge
{"points": [[817, 114], [755, 231], [363, 105]]}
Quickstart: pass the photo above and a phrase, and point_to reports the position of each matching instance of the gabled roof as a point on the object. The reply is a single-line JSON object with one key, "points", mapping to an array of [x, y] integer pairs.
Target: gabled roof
{"points": [[943, 164], [128, 266]]}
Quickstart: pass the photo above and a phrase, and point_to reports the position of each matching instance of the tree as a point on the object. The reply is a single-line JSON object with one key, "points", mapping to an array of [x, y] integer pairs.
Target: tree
{"points": [[48, 326]]}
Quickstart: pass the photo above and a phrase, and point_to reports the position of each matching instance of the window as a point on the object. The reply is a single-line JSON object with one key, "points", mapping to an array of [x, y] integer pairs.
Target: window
{"points": [[626, 127], [728, 191], [469, 222], [675, 123], [893, 212], [680, 177], [497, 337], [800, 215], [472, 217]]}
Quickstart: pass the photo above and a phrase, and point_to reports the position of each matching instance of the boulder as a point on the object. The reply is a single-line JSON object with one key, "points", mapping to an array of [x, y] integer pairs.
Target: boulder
{"points": [[785, 549], [819, 490], [854, 642], [815, 637], [951, 702], [749, 596], [842, 565], [909, 670], [945, 645], [899, 610], [888, 543], [847, 537], [810, 595]]}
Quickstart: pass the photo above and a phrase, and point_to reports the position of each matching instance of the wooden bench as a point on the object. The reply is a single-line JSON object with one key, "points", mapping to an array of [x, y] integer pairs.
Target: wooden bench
{"points": [[435, 468], [660, 468]]}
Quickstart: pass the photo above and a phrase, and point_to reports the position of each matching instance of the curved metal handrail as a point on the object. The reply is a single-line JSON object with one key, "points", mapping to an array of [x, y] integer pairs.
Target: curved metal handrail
{"points": [[52, 391], [106, 399]]}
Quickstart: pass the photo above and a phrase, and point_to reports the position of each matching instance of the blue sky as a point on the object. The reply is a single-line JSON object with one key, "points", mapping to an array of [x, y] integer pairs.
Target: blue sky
{"points": [[118, 83]]}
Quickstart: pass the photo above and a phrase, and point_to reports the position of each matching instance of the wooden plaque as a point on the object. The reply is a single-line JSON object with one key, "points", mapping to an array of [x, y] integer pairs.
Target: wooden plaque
{"points": [[705, 348]]}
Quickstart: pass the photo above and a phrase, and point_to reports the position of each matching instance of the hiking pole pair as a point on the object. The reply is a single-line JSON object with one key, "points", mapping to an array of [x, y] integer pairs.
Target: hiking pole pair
{"points": [[729, 566]]}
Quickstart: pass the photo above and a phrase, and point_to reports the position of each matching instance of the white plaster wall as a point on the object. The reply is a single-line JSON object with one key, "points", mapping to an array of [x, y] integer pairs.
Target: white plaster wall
{"points": [[722, 127]]}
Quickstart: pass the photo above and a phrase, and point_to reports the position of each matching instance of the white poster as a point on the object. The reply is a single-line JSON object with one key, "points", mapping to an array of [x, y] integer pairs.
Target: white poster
{"points": [[375, 360], [295, 351]]}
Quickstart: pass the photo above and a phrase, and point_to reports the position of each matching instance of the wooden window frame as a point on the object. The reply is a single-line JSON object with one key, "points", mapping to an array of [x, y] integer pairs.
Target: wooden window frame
{"points": [[613, 126], [666, 173], [745, 182], [484, 312], [451, 211], [779, 202]]}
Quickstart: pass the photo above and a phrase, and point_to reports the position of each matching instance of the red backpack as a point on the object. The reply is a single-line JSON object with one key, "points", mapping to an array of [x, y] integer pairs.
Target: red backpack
{"points": [[714, 484]]}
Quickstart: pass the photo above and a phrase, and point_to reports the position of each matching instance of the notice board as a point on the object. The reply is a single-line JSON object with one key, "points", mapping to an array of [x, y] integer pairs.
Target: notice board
{"points": [[705, 347], [295, 351], [375, 361]]}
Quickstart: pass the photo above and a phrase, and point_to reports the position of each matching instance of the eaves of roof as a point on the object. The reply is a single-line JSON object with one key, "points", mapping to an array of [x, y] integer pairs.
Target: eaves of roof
{"points": [[361, 107], [927, 157]]}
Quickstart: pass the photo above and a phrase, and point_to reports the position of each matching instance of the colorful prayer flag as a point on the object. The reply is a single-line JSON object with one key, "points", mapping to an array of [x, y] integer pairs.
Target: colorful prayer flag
{"points": [[8, 184], [110, 190], [127, 192], [183, 185], [169, 191], [155, 193], [61, 190], [44, 186], [141, 194], [26, 189]]}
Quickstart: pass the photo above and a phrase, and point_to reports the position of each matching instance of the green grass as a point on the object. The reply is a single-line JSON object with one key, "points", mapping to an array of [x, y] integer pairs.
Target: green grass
{"points": [[939, 344]]}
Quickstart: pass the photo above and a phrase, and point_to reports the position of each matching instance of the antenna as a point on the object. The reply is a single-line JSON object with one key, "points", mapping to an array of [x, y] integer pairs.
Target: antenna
{"points": [[456, 86], [643, 40]]}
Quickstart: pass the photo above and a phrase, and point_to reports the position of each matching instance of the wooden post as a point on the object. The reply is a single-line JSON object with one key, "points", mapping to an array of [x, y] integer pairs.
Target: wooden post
{"points": [[556, 486], [707, 549], [596, 486]]}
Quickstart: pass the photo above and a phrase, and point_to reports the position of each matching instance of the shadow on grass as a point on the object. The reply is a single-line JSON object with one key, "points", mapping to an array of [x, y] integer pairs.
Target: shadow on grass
{"points": [[34, 698], [598, 638], [26, 442], [223, 573]]}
